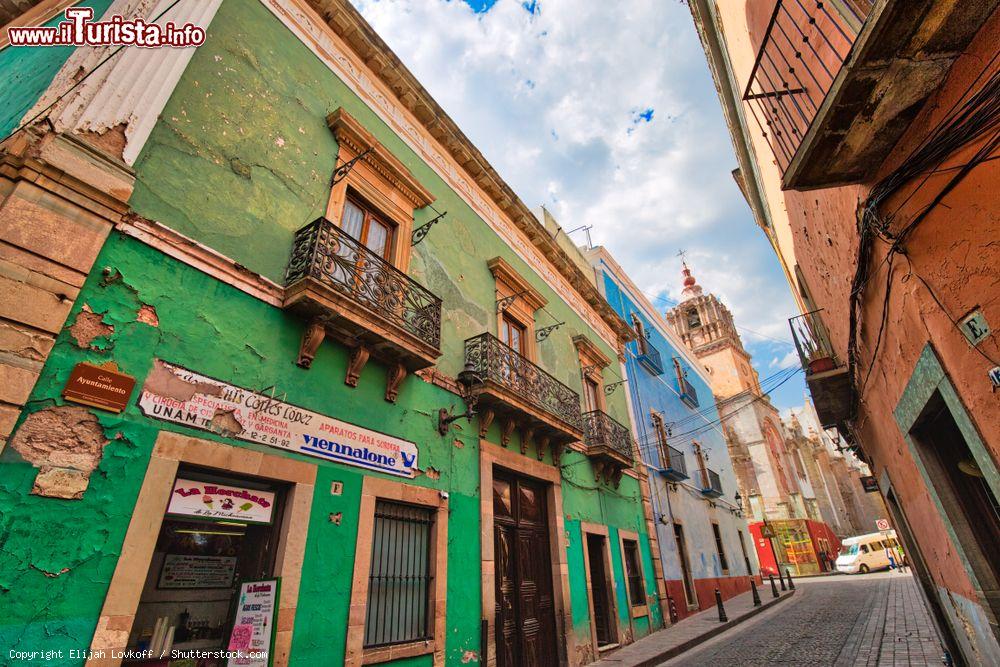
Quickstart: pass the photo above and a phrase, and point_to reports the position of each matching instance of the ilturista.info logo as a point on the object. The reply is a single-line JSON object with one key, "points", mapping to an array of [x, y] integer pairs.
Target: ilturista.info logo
{"points": [[79, 29]]}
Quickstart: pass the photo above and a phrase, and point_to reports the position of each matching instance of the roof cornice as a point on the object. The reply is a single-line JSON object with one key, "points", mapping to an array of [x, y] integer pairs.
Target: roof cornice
{"points": [[348, 24]]}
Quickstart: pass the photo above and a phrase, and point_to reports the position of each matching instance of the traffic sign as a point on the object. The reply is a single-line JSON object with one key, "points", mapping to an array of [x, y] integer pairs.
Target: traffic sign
{"points": [[882, 524]]}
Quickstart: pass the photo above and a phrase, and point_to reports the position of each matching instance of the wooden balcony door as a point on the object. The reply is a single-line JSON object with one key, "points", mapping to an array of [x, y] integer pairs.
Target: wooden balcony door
{"points": [[525, 618]]}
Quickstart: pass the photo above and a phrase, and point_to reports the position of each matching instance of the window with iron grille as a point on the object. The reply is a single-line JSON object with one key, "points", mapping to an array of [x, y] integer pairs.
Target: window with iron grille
{"points": [[723, 563], [633, 572], [399, 581]]}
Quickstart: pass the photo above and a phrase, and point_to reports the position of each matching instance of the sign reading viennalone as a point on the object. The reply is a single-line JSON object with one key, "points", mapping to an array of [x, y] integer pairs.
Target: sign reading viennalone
{"points": [[99, 386], [217, 501], [177, 395]]}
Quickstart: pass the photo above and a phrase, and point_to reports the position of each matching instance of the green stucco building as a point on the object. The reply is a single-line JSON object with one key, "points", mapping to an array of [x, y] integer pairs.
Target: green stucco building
{"points": [[251, 290]]}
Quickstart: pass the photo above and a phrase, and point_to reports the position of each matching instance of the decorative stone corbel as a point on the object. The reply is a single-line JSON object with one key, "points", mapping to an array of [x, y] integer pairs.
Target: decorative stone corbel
{"points": [[312, 336], [526, 434], [557, 449], [396, 376], [359, 357], [485, 419], [616, 478], [543, 443], [507, 429]]}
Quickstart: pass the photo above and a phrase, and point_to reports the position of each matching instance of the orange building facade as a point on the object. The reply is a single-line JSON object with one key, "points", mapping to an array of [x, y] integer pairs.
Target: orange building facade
{"points": [[866, 134]]}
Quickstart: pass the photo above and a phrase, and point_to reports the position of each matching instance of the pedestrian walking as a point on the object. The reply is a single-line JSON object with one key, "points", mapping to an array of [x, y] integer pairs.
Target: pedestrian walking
{"points": [[823, 561]]}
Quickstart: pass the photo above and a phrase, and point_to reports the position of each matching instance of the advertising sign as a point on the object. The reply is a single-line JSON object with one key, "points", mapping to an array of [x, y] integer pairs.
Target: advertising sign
{"points": [[207, 500], [180, 571], [99, 387], [175, 394], [869, 484], [253, 630]]}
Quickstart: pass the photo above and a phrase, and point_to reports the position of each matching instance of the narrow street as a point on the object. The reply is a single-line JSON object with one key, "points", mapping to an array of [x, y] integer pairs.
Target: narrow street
{"points": [[875, 619]]}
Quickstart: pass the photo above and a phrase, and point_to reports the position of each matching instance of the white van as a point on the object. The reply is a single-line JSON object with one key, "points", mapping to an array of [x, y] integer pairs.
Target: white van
{"points": [[866, 553]]}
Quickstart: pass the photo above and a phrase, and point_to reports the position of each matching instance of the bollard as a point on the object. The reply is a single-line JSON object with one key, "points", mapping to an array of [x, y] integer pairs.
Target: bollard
{"points": [[791, 584], [753, 589], [781, 580], [722, 610], [774, 589], [673, 609]]}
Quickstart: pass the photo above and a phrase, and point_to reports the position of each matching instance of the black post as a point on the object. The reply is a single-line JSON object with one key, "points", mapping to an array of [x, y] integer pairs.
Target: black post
{"points": [[774, 589], [722, 610], [753, 589], [781, 580], [791, 584], [484, 643]]}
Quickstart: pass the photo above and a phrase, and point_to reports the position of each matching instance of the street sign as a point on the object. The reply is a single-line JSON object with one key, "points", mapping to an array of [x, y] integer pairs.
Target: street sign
{"points": [[869, 484], [767, 530], [882, 524]]}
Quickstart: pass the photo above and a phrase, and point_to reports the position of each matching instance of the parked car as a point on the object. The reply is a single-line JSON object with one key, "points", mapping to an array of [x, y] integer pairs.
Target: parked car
{"points": [[866, 553]]}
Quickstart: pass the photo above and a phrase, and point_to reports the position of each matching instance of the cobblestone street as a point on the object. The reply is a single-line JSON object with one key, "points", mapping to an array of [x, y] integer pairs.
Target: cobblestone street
{"points": [[843, 620]]}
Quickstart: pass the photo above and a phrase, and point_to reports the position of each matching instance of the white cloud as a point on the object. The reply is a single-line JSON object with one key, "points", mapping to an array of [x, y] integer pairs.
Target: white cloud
{"points": [[553, 99]]}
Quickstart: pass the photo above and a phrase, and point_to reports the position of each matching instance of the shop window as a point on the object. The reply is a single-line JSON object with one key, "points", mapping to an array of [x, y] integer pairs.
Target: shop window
{"points": [[720, 548], [399, 581], [633, 572], [218, 534]]}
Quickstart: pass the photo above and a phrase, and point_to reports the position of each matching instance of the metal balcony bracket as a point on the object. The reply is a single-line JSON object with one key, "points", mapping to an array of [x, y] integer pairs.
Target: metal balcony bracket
{"points": [[343, 170], [396, 376], [610, 389], [421, 232], [545, 332], [312, 336], [359, 357]]}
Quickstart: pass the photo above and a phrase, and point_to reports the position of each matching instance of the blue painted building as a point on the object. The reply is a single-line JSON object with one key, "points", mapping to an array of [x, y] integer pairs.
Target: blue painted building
{"points": [[703, 539]]}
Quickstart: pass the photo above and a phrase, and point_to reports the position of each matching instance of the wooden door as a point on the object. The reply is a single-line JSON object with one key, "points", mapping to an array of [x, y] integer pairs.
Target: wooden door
{"points": [[525, 618]]}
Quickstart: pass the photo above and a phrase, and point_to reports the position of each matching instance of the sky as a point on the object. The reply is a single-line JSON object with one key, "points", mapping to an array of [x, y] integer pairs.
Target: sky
{"points": [[606, 114]]}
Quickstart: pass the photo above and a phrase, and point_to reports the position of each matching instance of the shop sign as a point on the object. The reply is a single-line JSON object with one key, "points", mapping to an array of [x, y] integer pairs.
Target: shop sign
{"points": [[206, 500], [182, 571], [253, 630], [99, 386], [201, 402], [869, 484]]}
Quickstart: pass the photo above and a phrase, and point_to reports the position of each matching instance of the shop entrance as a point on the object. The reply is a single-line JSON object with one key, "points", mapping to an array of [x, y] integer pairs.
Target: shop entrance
{"points": [[525, 618], [218, 533]]}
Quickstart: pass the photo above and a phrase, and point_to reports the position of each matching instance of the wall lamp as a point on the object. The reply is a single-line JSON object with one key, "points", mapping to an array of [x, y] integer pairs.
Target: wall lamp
{"points": [[468, 381]]}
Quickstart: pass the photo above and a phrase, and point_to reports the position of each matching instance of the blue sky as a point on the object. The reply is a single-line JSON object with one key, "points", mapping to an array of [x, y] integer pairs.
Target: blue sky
{"points": [[606, 114]]}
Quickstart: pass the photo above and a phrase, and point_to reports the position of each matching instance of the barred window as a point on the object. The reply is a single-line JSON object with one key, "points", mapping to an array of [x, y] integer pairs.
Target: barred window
{"points": [[399, 579], [633, 572]]}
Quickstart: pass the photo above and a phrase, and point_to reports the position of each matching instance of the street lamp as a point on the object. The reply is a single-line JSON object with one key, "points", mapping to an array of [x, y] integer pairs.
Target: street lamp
{"points": [[468, 380]]}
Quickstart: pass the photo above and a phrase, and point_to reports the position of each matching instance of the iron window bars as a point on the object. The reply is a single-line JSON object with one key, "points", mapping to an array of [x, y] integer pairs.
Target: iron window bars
{"points": [[399, 581]]}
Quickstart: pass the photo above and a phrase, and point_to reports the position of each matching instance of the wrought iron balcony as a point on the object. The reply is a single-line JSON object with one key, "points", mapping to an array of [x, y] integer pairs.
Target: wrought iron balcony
{"points": [[606, 438], [673, 465], [802, 51], [829, 380], [687, 393], [650, 360], [346, 290], [519, 393], [708, 482]]}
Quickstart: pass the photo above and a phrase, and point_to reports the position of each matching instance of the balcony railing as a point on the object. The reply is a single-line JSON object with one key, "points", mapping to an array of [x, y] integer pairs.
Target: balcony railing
{"points": [[803, 48], [708, 481], [605, 435], [650, 360], [811, 342], [673, 464], [327, 254], [687, 392], [829, 380], [503, 368]]}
